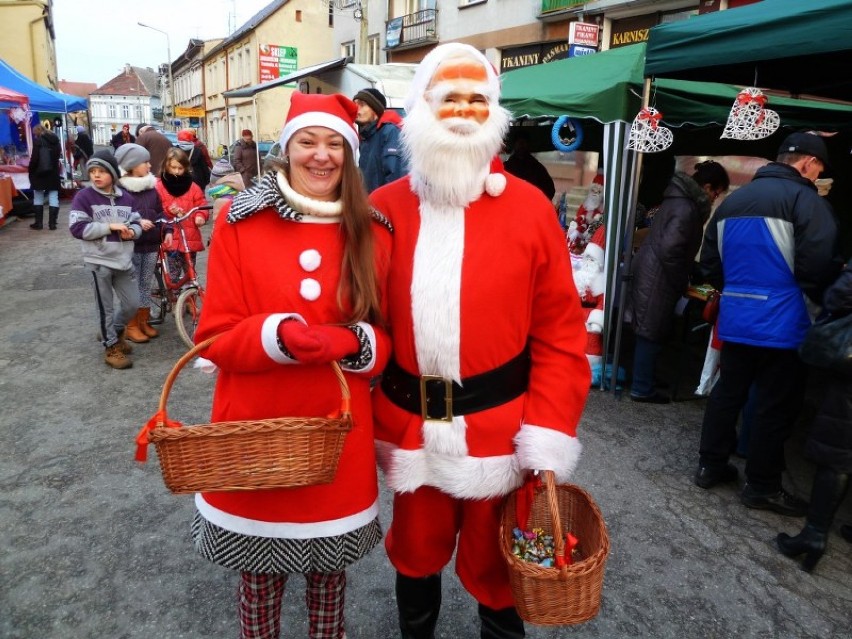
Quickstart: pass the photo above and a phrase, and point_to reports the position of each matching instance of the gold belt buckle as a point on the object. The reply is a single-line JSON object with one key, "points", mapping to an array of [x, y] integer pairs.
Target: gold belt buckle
{"points": [[448, 397]]}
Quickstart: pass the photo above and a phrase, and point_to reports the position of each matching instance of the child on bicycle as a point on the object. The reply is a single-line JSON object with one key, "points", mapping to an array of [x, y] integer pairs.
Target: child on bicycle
{"points": [[105, 221], [134, 161], [179, 194]]}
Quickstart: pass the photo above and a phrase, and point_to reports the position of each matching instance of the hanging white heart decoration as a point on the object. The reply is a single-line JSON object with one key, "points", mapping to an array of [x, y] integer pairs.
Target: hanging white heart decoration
{"points": [[647, 135], [749, 118]]}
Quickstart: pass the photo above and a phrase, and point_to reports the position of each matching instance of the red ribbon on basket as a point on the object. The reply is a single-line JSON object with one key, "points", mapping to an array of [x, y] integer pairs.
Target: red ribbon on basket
{"points": [[524, 500], [568, 558], [142, 441], [744, 98]]}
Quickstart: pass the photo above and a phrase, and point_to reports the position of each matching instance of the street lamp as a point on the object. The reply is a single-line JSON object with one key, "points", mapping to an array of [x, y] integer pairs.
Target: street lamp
{"points": [[169, 54]]}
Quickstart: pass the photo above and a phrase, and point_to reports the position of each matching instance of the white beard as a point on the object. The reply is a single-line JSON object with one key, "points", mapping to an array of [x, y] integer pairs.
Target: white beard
{"points": [[592, 202], [446, 167]]}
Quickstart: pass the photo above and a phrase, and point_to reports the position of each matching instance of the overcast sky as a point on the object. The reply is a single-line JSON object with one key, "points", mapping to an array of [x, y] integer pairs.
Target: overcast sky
{"points": [[96, 38]]}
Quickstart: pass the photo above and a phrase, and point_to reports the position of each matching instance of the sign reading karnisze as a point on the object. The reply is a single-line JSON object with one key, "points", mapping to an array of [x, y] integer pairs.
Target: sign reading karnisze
{"points": [[583, 33], [276, 61]]}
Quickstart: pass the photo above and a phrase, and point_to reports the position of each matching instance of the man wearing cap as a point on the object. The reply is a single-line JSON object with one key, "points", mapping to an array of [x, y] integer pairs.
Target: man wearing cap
{"points": [[245, 158], [769, 249], [489, 375], [380, 160]]}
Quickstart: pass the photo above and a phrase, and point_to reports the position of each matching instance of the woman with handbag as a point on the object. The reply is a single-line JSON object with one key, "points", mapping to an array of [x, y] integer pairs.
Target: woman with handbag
{"points": [[44, 176], [662, 265], [830, 446], [295, 282]]}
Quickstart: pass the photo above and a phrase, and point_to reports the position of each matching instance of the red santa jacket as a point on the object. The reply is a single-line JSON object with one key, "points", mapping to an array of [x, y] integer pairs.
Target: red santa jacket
{"points": [[261, 270], [468, 290]]}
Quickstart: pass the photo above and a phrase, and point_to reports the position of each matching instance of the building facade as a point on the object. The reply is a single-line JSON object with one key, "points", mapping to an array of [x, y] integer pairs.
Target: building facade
{"points": [[132, 98], [28, 42], [283, 37], [187, 73]]}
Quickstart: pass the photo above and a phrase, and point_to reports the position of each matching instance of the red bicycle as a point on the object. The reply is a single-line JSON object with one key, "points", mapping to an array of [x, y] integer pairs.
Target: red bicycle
{"points": [[184, 296]]}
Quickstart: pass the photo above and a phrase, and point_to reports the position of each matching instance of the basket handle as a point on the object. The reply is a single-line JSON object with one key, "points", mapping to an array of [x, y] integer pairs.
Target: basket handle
{"points": [[345, 403], [549, 478]]}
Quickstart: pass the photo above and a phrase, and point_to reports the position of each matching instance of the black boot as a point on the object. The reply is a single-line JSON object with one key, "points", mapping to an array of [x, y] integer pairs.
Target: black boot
{"points": [[828, 491], [53, 216], [418, 600], [38, 223], [500, 624]]}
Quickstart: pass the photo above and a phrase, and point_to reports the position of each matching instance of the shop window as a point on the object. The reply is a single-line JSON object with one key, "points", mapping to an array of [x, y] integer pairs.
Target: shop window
{"points": [[347, 49]]}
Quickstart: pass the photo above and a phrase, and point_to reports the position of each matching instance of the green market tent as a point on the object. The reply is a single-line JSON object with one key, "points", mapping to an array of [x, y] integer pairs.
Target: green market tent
{"points": [[802, 47]]}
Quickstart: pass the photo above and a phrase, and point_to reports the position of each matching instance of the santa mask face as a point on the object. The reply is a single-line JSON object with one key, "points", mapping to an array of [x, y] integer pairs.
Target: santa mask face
{"points": [[453, 131]]}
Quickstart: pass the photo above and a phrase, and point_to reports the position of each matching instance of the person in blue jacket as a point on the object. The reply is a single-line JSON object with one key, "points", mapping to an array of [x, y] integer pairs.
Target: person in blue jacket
{"points": [[380, 155], [769, 249]]}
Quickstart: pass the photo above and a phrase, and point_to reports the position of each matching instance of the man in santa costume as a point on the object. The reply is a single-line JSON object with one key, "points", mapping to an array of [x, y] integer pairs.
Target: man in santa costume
{"points": [[489, 378], [591, 281]]}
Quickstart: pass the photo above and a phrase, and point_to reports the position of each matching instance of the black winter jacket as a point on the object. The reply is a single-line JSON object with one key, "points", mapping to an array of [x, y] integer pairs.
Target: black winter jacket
{"points": [[50, 180], [830, 441], [663, 263]]}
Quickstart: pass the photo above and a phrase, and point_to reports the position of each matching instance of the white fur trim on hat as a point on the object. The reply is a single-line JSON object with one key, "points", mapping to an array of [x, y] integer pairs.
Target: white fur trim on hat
{"points": [[595, 252], [427, 67], [318, 118]]}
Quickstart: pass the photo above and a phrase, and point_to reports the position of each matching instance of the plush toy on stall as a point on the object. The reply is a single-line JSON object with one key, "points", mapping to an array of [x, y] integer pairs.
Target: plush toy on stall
{"points": [[590, 281], [589, 212]]}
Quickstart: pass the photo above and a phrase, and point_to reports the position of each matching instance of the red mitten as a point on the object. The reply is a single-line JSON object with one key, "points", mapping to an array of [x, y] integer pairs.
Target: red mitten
{"points": [[319, 344]]}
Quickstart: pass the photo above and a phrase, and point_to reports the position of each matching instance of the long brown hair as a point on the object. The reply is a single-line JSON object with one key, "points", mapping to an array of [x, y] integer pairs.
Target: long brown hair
{"points": [[358, 276], [175, 153]]}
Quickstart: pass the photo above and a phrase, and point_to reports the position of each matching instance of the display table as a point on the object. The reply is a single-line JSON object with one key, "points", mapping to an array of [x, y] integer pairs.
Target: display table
{"points": [[7, 192], [19, 175]]}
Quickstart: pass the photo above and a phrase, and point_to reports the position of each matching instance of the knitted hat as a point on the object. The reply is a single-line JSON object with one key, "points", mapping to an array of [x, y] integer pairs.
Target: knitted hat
{"points": [[129, 156], [81, 128], [185, 135], [374, 99], [246, 132], [105, 160], [335, 112], [427, 67], [139, 127], [220, 168]]}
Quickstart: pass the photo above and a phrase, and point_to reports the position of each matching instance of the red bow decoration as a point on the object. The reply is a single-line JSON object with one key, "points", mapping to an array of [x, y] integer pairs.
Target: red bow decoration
{"points": [[744, 98], [158, 420], [568, 557], [653, 118]]}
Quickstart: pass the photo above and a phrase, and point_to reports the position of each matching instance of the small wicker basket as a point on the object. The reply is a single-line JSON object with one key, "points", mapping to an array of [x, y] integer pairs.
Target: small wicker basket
{"points": [[283, 452], [570, 594]]}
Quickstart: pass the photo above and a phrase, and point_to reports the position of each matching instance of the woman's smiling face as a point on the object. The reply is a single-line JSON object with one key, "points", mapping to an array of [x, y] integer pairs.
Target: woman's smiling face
{"points": [[316, 162]]}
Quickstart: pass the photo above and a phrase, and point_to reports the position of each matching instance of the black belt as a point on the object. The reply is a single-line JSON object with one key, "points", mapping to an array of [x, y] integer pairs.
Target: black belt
{"points": [[434, 397]]}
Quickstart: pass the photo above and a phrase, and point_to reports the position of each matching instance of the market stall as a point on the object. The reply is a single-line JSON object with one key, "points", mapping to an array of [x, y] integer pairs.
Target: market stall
{"points": [[604, 92], [12, 105]]}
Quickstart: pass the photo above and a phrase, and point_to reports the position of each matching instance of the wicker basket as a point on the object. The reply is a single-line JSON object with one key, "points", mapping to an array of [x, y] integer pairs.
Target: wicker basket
{"points": [[249, 455], [558, 596]]}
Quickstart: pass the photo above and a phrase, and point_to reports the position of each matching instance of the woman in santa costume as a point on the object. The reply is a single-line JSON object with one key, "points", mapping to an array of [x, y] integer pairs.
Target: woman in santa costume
{"points": [[295, 282], [489, 378]]}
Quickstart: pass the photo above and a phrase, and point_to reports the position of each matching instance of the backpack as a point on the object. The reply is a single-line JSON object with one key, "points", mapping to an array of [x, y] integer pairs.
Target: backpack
{"points": [[45, 160]]}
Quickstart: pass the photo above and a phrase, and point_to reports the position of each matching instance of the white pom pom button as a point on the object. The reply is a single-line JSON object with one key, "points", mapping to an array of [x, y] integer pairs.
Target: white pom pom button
{"points": [[310, 289], [310, 260]]}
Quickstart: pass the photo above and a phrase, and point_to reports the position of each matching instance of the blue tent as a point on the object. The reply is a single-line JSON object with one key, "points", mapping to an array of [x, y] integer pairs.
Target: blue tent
{"points": [[41, 98]]}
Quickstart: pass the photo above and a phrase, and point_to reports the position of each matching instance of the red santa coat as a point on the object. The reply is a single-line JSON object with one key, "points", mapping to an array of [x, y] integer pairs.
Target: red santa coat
{"points": [[261, 270], [468, 289]]}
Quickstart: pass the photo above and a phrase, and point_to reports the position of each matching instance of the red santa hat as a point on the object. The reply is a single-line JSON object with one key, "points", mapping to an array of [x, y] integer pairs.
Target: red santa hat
{"points": [[598, 178], [335, 112]]}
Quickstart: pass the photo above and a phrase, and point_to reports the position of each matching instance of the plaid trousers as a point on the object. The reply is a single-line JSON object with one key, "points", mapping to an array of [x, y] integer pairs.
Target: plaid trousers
{"points": [[260, 597]]}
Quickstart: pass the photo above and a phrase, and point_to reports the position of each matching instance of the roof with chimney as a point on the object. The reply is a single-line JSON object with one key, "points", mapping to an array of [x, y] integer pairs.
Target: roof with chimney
{"points": [[132, 81]]}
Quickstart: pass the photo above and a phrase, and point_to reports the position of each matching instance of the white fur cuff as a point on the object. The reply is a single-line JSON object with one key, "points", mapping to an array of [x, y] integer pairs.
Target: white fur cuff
{"points": [[541, 448], [269, 336]]}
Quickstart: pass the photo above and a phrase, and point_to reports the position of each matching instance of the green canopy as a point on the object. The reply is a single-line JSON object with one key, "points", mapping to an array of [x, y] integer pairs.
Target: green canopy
{"points": [[803, 47], [607, 87]]}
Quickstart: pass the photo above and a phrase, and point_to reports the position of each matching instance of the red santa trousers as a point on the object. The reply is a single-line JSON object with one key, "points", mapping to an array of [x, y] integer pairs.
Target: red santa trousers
{"points": [[422, 538]]}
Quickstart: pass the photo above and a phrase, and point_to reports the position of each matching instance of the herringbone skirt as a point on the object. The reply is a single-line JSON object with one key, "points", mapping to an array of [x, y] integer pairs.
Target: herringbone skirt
{"points": [[274, 555]]}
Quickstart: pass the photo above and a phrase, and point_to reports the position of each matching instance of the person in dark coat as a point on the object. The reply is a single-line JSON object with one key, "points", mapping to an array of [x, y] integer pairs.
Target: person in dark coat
{"points": [[380, 155], [44, 176], [198, 163], [524, 165], [662, 266], [83, 147], [155, 143], [245, 157], [830, 446], [122, 137]]}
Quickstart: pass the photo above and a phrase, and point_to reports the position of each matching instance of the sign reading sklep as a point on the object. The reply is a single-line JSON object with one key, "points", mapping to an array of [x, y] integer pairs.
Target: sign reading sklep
{"points": [[277, 61]]}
